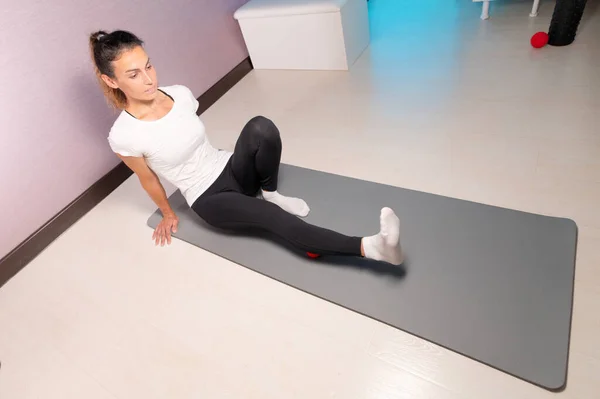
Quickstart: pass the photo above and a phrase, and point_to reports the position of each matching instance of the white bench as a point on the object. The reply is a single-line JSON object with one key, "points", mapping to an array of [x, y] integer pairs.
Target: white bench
{"points": [[304, 34], [485, 8]]}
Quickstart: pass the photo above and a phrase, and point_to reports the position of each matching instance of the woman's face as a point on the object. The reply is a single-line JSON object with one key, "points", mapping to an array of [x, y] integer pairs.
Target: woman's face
{"points": [[134, 75]]}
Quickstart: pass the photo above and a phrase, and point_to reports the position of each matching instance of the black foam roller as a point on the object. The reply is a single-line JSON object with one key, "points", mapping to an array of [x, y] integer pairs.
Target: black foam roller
{"points": [[565, 21]]}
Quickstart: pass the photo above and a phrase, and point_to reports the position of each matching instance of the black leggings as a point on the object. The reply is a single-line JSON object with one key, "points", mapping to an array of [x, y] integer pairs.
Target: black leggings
{"points": [[231, 204]]}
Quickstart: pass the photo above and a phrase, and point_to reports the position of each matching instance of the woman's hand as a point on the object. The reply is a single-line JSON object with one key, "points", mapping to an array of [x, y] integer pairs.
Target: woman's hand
{"points": [[156, 191], [162, 233]]}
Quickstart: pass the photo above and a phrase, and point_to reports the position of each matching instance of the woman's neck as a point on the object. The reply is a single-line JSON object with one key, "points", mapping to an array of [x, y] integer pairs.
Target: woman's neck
{"points": [[151, 110]]}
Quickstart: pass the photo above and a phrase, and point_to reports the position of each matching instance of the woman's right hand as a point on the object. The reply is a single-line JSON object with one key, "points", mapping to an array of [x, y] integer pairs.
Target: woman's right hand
{"points": [[162, 233], [152, 185]]}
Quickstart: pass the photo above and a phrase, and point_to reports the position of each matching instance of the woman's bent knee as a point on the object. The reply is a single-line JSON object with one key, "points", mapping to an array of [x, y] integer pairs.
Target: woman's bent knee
{"points": [[263, 128]]}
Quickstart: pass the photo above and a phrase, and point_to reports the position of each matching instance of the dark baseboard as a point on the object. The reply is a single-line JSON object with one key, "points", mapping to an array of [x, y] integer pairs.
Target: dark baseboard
{"points": [[25, 252], [219, 89], [19, 257]]}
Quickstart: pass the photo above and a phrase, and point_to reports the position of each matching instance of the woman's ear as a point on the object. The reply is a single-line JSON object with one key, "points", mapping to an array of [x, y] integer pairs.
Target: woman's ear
{"points": [[110, 83]]}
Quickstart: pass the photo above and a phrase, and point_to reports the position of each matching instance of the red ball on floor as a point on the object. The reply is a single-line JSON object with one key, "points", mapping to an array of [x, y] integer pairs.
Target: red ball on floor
{"points": [[311, 255], [539, 40]]}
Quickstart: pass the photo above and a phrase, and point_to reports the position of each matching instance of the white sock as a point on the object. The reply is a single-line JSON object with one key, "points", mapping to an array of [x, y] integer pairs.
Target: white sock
{"points": [[385, 246], [295, 206]]}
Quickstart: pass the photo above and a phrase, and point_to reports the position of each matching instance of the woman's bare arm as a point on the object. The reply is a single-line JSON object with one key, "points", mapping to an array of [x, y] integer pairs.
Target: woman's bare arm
{"points": [[151, 183]]}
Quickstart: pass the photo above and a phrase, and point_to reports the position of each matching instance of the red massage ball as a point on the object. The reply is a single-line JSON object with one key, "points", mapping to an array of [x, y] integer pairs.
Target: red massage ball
{"points": [[539, 39]]}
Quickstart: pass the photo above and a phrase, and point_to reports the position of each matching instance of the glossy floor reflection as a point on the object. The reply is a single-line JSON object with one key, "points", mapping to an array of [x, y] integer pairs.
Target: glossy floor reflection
{"points": [[440, 102]]}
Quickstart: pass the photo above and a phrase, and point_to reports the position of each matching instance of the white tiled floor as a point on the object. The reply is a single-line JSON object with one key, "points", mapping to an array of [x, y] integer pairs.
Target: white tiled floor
{"points": [[442, 103]]}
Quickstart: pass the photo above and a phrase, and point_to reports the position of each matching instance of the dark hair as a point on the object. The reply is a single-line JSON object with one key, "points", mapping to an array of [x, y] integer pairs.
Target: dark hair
{"points": [[105, 48]]}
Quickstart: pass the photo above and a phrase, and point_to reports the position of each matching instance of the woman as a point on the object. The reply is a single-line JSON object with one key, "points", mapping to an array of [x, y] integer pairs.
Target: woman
{"points": [[159, 133]]}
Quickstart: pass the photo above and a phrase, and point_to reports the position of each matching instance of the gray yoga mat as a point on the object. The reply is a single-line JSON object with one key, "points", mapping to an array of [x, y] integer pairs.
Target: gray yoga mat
{"points": [[493, 284]]}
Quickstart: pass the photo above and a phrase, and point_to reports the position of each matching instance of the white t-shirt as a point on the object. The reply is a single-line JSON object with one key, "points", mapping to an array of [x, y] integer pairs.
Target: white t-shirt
{"points": [[175, 146]]}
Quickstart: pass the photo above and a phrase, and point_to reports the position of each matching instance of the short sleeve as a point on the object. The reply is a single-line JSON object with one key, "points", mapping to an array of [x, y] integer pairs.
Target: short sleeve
{"points": [[123, 148], [193, 101]]}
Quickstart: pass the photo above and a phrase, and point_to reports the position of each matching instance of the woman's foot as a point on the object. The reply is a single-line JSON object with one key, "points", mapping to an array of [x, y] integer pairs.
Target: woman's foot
{"points": [[385, 246], [295, 206]]}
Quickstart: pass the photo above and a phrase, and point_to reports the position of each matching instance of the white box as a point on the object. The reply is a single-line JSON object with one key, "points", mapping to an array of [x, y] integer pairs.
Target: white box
{"points": [[304, 34]]}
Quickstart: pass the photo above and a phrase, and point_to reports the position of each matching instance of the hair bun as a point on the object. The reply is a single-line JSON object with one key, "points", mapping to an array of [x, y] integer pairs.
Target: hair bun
{"points": [[97, 36]]}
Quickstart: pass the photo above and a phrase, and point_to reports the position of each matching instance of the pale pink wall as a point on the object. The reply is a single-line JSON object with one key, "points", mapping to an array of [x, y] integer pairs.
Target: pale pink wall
{"points": [[53, 118]]}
